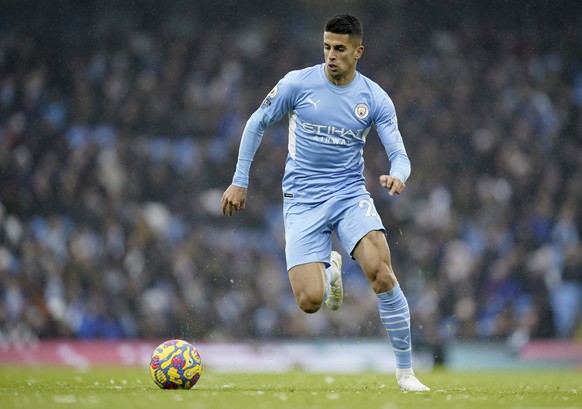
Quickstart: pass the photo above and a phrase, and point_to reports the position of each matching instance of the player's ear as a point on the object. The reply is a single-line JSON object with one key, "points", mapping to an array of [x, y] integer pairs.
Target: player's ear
{"points": [[359, 51]]}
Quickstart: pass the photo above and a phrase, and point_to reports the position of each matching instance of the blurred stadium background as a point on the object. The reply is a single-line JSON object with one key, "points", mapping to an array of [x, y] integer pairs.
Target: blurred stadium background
{"points": [[119, 129]]}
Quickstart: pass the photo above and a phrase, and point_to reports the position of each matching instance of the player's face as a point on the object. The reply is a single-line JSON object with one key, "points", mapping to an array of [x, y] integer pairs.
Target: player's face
{"points": [[341, 54]]}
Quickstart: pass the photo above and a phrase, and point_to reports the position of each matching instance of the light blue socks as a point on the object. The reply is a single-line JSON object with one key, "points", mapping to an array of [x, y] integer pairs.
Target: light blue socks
{"points": [[395, 317]]}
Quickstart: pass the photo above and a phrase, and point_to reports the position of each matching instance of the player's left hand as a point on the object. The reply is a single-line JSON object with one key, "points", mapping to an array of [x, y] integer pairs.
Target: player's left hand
{"points": [[395, 185]]}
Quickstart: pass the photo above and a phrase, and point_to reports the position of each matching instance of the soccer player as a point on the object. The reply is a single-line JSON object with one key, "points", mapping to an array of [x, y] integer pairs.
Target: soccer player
{"points": [[331, 108]]}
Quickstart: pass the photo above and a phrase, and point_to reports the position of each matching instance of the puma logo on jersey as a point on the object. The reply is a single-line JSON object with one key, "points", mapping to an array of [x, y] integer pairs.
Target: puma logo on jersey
{"points": [[312, 102]]}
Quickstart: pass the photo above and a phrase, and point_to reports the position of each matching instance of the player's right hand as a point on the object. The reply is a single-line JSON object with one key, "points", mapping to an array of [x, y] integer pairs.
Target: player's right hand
{"points": [[233, 198]]}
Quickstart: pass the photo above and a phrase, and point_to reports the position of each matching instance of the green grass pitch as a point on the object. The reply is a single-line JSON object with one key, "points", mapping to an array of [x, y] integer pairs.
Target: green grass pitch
{"points": [[128, 388]]}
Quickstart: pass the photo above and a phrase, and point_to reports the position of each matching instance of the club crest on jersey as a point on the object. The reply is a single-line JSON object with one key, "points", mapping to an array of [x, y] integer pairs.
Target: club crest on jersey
{"points": [[362, 111]]}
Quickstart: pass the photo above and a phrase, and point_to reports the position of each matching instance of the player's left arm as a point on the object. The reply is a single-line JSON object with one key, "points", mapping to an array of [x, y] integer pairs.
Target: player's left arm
{"points": [[386, 124]]}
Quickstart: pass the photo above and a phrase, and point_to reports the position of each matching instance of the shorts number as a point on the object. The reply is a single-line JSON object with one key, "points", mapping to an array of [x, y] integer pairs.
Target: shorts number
{"points": [[370, 209]]}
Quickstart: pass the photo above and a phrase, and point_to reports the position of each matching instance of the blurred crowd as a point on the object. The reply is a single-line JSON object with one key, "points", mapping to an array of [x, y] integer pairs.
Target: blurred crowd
{"points": [[119, 130]]}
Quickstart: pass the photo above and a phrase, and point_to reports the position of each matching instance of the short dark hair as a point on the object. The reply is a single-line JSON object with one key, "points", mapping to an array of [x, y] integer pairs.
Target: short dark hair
{"points": [[345, 24]]}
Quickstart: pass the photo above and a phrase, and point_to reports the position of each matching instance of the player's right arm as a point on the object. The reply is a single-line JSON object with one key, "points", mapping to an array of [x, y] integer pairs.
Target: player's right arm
{"points": [[250, 141], [234, 198], [274, 106]]}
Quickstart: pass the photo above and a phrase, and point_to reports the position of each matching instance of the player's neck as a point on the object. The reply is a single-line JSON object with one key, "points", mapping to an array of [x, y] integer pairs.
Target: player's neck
{"points": [[343, 80]]}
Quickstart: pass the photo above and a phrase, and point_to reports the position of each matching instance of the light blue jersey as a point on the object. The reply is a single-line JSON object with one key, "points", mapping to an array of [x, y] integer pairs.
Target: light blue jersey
{"points": [[328, 126]]}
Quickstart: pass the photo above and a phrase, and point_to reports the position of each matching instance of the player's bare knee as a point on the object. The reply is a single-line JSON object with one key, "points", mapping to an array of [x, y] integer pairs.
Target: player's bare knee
{"points": [[383, 281], [309, 305], [311, 309]]}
